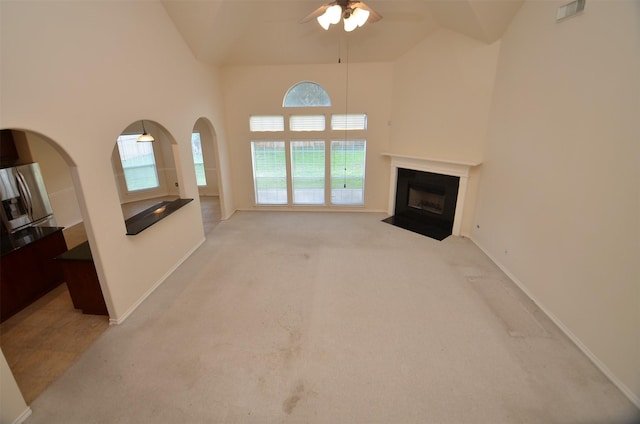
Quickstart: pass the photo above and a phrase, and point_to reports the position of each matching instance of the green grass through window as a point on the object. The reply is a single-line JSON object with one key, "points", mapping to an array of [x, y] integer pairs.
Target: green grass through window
{"points": [[346, 166]]}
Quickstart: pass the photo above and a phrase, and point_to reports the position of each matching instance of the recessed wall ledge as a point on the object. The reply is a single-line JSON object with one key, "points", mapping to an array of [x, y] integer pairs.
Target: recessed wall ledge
{"points": [[437, 166]]}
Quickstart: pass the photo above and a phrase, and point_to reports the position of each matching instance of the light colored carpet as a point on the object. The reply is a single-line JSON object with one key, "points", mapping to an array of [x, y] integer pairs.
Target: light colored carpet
{"points": [[333, 318]]}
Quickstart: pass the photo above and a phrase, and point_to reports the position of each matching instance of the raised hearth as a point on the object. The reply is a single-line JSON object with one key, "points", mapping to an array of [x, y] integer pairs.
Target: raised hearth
{"points": [[427, 195]]}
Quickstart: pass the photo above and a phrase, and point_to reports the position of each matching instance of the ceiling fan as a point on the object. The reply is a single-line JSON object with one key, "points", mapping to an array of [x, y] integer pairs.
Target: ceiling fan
{"points": [[353, 12]]}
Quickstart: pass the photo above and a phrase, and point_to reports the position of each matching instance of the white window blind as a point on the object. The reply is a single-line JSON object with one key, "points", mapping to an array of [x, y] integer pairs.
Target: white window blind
{"points": [[266, 123], [307, 172], [349, 122], [138, 163], [348, 159], [269, 172], [307, 123]]}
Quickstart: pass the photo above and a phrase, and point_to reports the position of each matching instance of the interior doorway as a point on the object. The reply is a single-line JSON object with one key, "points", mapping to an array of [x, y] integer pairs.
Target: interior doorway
{"points": [[205, 158], [47, 336]]}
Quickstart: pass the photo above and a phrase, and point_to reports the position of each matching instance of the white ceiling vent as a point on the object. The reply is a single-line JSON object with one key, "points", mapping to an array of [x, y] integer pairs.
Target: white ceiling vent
{"points": [[570, 9]]}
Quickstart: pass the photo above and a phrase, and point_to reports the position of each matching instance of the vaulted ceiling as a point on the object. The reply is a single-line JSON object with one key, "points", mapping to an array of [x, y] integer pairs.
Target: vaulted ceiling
{"points": [[269, 32]]}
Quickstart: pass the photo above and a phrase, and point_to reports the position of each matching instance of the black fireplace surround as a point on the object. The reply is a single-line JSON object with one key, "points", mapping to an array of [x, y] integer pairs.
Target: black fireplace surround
{"points": [[425, 203]]}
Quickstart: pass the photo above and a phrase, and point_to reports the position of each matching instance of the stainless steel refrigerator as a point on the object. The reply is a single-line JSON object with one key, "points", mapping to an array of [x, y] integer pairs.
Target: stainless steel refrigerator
{"points": [[24, 199]]}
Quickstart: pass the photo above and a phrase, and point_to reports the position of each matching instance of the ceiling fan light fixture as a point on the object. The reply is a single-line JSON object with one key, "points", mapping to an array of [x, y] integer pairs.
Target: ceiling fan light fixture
{"points": [[323, 20], [335, 13], [331, 16], [360, 15], [354, 13], [350, 23]]}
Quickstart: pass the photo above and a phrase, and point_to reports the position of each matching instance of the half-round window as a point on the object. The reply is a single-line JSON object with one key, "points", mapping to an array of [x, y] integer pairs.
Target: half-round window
{"points": [[306, 94]]}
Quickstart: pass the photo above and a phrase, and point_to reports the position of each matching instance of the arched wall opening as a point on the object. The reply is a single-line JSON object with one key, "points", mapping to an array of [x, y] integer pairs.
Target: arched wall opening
{"points": [[47, 308], [145, 172], [208, 175], [57, 168]]}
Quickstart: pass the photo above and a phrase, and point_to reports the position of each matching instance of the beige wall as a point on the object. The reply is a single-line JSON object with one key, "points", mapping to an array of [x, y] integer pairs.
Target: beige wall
{"points": [[260, 90], [442, 97], [80, 72], [57, 179], [165, 165], [565, 105], [60, 188], [12, 405], [441, 100], [54, 100], [558, 202]]}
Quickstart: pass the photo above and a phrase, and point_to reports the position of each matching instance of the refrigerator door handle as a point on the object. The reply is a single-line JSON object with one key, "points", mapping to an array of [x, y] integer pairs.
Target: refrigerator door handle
{"points": [[26, 193]]}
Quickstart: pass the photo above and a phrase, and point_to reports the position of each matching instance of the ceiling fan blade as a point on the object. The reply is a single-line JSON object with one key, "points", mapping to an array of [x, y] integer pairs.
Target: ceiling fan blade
{"points": [[319, 11], [373, 15]]}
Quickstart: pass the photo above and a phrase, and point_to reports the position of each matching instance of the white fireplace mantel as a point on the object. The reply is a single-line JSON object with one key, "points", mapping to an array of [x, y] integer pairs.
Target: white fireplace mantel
{"points": [[436, 166]]}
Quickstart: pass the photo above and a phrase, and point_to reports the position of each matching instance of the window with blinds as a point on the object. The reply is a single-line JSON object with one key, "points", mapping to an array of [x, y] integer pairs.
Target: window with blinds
{"points": [[307, 172], [348, 159], [269, 172], [138, 163], [292, 168], [307, 123], [349, 122], [266, 123]]}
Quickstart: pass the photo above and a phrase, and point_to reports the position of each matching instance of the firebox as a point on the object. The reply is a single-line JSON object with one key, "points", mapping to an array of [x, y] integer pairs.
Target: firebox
{"points": [[425, 202], [430, 200]]}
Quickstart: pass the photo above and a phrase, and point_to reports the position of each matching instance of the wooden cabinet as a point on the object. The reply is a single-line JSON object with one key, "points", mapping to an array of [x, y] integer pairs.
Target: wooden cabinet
{"points": [[30, 271], [82, 280], [8, 151]]}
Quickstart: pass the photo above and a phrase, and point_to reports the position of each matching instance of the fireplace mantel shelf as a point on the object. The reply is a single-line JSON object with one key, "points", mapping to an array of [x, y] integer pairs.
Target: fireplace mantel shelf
{"points": [[443, 161]]}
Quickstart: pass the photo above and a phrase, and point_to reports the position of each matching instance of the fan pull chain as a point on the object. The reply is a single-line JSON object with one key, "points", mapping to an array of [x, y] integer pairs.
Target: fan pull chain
{"points": [[346, 111]]}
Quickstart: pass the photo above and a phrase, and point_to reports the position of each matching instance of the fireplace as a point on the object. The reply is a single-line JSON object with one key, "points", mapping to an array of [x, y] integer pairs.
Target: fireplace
{"points": [[427, 196], [425, 202], [429, 200]]}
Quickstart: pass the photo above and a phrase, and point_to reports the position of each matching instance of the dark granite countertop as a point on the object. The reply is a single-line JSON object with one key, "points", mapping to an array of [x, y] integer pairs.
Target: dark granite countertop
{"points": [[13, 242], [81, 252], [143, 220]]}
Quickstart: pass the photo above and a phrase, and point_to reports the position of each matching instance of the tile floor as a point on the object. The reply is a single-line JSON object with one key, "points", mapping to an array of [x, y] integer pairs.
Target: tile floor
{"points": [[44, 339]]}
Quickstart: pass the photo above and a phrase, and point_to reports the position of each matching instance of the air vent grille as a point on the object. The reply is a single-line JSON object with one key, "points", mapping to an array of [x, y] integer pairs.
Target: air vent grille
{"points": [[570, 9]]}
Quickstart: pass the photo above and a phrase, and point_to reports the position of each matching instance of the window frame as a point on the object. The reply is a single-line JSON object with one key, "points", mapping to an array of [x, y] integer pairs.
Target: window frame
{"points": [[262, 123], [344, 177], [257, 179], [322, 91], [132, 137], [290, 135], [294, 177], [307, 126], [195, 164]]}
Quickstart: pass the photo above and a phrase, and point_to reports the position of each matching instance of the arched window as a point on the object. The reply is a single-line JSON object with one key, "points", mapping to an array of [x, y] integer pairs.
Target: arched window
{"points": [[305, 94], [292, 153]]}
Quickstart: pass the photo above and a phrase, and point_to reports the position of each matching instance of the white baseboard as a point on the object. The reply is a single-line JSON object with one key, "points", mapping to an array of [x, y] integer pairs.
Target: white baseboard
{"points": [[596, 361], [121, 319], [25, 414], [285, 208]]}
